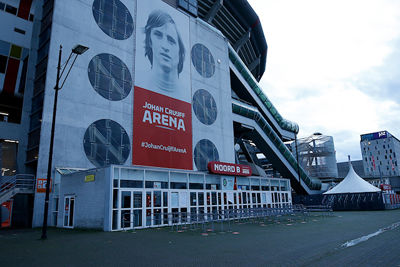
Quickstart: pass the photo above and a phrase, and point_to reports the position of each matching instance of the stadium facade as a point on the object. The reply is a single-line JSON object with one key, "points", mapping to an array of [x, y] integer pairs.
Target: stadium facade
{"points": [[160, 115]]}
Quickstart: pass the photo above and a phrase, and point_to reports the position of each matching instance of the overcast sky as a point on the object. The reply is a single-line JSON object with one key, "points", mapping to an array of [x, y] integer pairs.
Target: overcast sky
{"points": [[333, 66]]}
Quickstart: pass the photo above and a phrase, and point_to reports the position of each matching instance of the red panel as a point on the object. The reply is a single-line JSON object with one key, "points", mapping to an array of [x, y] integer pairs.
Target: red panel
{"points": [[11, 76], [162, 131], [6, 222], [24, 8]]}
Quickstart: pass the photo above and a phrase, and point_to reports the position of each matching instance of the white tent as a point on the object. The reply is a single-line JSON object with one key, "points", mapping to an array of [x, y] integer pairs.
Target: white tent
{"points": [[353, 183]]}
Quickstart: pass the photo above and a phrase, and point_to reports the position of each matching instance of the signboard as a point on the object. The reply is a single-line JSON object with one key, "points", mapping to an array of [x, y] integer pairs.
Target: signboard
{"points": [[374, 136], [225, 168], [89, 178], [386, 187], [162, 113], [228, 183], [41, 185], [157, 185]]}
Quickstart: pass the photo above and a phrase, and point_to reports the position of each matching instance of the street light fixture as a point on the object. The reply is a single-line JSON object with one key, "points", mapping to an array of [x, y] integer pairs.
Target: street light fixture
{"points": [[76, 51]]}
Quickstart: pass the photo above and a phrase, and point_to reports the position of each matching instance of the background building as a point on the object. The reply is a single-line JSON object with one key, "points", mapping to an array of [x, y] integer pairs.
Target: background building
{"points": [[343, 168], [317, 156], [379, 151], [145, 131]]}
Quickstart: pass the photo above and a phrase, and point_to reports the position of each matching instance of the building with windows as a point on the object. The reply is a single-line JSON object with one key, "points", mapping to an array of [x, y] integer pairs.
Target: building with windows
{"points": [[380, 151], [156, 117]]}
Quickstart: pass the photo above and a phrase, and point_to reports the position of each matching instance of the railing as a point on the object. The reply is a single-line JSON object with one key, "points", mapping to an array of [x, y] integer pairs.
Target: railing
{"points": [[11, 185], [246, 74], [253, 113], [179, 221]]}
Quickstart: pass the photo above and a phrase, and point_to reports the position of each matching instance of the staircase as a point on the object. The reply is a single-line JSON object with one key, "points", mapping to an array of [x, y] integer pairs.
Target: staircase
{"points": [[18, 184]]}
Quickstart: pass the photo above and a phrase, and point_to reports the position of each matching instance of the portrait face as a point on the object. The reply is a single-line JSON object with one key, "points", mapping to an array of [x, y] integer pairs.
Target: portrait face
{"points": [[165, 46]]}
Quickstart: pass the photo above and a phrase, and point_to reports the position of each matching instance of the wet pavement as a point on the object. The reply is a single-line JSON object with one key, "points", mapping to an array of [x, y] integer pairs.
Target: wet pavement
{"points": [[340, 239]]}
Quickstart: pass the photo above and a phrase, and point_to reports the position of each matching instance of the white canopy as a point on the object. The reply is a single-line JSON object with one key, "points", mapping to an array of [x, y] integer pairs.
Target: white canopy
{"points": [[353, 183]]}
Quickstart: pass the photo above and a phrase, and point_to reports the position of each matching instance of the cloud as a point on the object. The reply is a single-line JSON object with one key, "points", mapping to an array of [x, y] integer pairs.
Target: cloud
{"points": [[333, 66]]}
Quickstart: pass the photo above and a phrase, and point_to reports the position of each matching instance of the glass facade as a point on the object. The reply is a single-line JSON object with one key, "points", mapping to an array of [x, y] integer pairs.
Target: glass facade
{"points": [[138, 206]]}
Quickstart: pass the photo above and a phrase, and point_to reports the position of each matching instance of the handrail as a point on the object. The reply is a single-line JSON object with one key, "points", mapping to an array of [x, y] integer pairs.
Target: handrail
{"points": [[246, 74], [19, 181], [253, 113]]}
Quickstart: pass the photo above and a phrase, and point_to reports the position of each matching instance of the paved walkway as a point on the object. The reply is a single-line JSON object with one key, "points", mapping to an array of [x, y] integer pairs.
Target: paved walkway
{"points": [[344, 239]]}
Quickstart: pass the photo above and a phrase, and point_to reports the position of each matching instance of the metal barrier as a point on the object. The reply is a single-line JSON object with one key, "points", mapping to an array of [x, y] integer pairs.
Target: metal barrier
{"points": [[221, 220]]}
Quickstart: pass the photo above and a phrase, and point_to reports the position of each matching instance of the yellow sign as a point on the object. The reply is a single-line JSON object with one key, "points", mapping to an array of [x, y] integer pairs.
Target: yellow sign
{"points": [[89, 178]]}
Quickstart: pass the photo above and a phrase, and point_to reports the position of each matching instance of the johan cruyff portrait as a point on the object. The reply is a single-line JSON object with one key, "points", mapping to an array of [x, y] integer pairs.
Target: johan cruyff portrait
{"points": [[161, 46]]}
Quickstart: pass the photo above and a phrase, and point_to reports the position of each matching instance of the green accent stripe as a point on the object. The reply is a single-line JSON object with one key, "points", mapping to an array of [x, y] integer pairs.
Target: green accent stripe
{"points": [[246, 74]]}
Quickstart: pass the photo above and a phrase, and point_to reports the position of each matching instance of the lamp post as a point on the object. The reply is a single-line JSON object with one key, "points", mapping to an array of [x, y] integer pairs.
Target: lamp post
{"points": [[76, 51]]}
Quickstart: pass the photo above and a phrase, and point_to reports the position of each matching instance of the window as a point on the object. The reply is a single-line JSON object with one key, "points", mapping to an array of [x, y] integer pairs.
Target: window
{"points": [[3, 64], [204, 152], [189, 5], [106, 142], [113, 18], [110, 77], [204, 107], [11, 9], [2, 6], [16, 51], [19, 31], [131, 184], [203, 60], [31, 17]]}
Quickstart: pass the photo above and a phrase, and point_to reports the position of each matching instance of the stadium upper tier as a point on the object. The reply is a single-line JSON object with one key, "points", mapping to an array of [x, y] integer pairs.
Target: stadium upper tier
{"points": [[238, 22]]}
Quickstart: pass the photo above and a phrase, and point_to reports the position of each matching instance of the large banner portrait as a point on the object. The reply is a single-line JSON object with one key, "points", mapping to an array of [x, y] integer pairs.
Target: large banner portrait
{"points": [[162, 124]]}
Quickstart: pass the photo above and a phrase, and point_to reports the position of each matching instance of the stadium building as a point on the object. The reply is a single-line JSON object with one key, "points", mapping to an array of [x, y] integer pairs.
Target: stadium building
{"points": [[163, 113]]}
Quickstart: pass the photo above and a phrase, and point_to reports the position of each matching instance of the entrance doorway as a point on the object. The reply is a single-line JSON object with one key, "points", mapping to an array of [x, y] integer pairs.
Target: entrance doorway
{"points": [[69, 206]]}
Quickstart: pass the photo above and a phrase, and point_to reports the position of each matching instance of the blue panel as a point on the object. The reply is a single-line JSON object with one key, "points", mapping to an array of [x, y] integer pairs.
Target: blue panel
{"points": [[25, 52], [4, 48]]}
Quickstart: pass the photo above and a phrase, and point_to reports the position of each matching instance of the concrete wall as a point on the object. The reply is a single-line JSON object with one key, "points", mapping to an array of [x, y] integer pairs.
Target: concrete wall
{"points": [[220, 133], [90, 198]]}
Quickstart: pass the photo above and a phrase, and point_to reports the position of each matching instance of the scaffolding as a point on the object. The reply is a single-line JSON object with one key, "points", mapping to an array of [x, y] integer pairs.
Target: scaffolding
{"points": [[317, 156]]}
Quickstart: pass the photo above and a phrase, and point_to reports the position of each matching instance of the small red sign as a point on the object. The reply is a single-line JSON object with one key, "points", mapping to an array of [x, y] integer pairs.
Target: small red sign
{"points": [[386, 187], [229, 168], [41, 185]]}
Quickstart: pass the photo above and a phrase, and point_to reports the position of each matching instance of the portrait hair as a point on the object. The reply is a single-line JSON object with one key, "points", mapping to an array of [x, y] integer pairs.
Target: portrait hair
{"points": [[157, 19]]}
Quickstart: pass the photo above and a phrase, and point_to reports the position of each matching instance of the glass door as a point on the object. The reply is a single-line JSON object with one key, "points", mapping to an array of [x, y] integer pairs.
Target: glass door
{"points": [[156, 210], [69, 206]]}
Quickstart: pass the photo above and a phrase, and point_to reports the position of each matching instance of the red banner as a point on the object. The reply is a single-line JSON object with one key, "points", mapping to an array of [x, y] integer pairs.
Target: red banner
{"points": [[162, 131], [229, 168]]}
